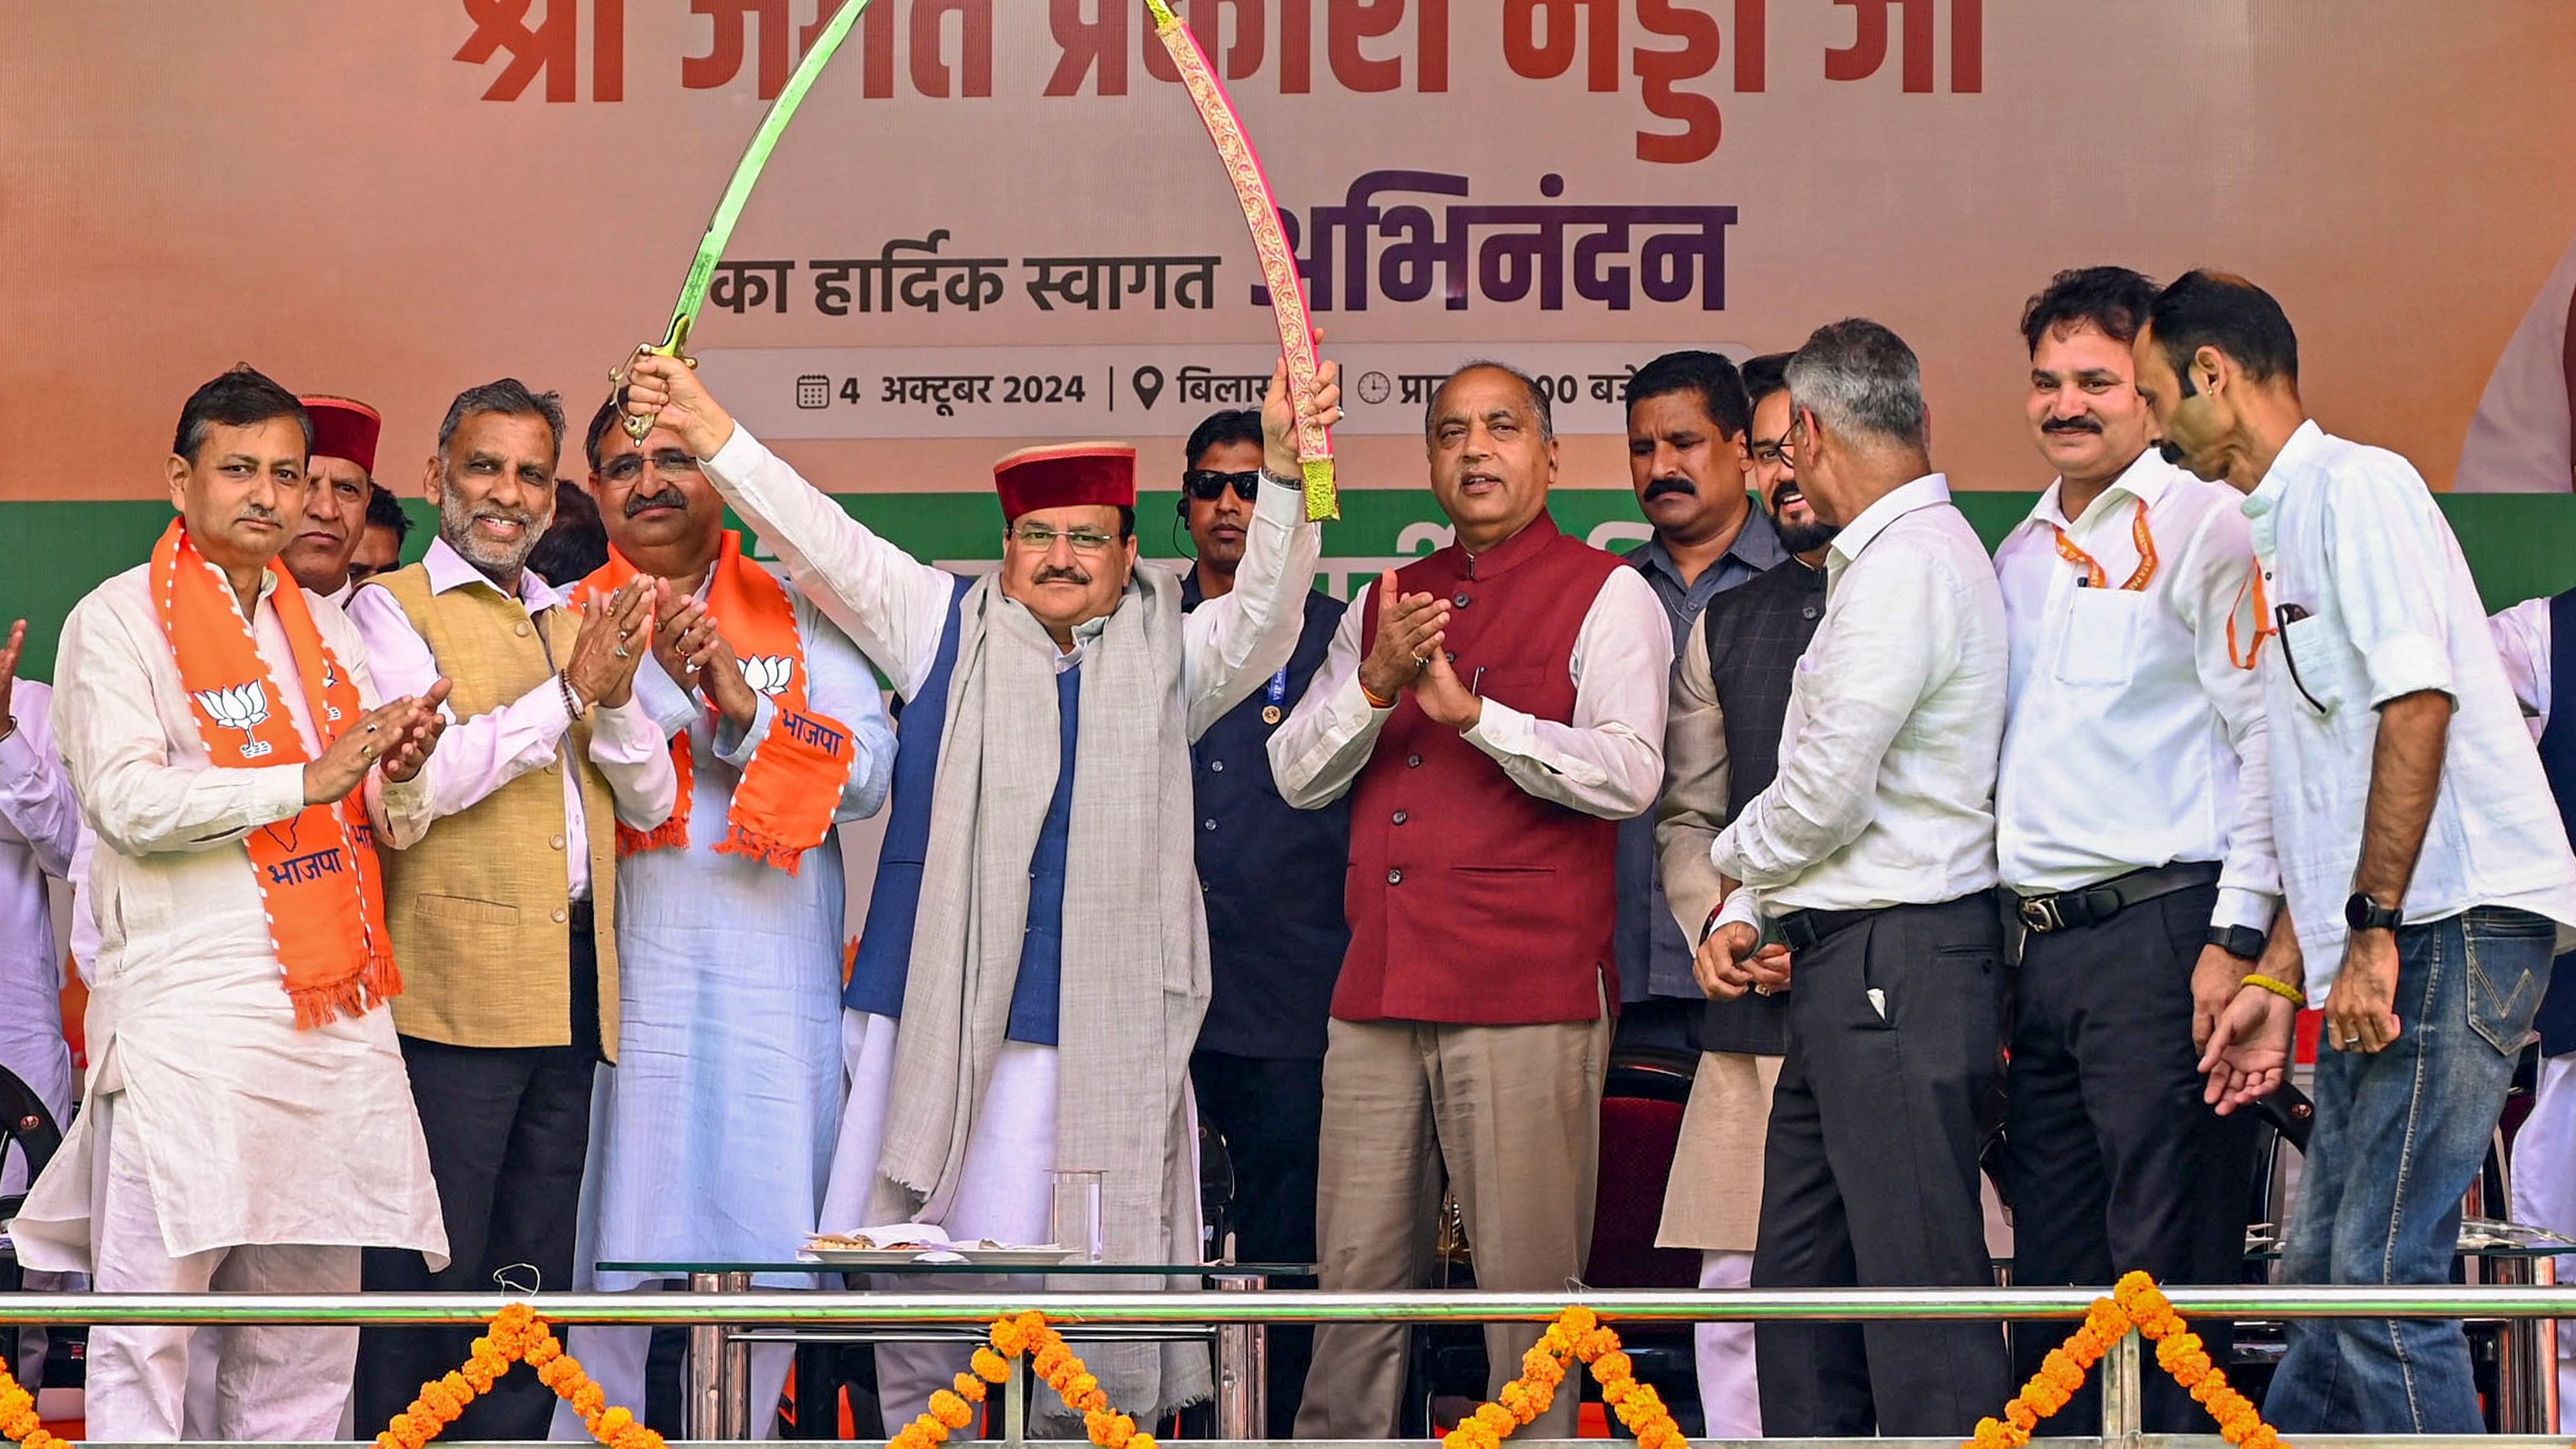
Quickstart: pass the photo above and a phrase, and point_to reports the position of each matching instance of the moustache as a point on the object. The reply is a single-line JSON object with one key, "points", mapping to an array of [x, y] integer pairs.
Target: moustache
{"points": [[1784, 491], [1064, 575], [2070, 425], [667, 498], [254, 512], [1665, 487], [519, 516]]}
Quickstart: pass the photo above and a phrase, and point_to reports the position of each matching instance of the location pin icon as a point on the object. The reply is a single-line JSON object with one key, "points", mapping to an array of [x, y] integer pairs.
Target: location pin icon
{"points": [[1149, 386]]}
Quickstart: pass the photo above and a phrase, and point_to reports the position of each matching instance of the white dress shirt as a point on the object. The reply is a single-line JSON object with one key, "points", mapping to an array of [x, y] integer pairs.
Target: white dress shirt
{"points": [[2351, 534], [894, 606], [39, 832], [2133, 740], [480, 755], [1608, 760], [2522, 635], [1885, 794], [252, 1131]]}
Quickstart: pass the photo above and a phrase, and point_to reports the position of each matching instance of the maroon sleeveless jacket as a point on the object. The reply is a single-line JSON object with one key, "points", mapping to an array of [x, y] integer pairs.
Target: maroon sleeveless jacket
{"points": [[1471, 900]]}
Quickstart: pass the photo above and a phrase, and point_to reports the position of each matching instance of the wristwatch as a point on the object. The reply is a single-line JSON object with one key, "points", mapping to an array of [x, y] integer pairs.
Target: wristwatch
{"points": [[2242, 941], [2361, 913]]}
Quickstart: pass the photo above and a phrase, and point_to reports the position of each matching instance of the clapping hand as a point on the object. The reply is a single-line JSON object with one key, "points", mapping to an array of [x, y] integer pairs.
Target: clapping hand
{"points": [[1409, 631], [693, 651], [615, 636]]}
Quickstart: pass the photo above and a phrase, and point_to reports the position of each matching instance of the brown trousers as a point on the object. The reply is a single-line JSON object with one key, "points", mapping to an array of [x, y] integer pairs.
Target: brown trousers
{"points": [[1512, 1116]]}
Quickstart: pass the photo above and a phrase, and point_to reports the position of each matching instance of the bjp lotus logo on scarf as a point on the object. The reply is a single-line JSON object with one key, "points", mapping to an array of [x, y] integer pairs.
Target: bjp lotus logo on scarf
{"points": [[768, 673], [330, 681], [241, 707]]}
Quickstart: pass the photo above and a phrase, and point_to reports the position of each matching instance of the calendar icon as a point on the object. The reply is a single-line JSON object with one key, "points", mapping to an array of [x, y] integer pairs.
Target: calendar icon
{"points": [[813, 390]]}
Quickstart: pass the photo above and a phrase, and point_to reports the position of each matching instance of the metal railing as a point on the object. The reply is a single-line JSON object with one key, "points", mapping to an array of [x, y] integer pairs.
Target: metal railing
{"points": [[719, 1315]]}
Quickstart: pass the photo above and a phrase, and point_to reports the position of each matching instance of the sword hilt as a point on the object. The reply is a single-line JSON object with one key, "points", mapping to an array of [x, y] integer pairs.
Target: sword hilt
{"points": [[672, 341]]}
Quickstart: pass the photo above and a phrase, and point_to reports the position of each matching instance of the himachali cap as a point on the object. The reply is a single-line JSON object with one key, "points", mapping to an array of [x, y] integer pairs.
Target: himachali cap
{"points": [[1066, 475], [344, 429]]}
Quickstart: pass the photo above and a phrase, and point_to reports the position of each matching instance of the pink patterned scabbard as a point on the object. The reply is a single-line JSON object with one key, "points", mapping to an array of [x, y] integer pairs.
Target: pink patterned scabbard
{"points": [[1278, 264]]}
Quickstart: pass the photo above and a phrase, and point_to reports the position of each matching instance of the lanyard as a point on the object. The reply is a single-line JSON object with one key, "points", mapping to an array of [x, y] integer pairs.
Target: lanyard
{"points": [[2094, 578], [2263, 628]]}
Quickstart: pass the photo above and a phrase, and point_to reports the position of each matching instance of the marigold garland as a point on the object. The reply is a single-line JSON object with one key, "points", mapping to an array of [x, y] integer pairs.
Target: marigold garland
{"points": [[2136, 1302], [516, 1335], [1577, 1333], [1052, 1359], [18, 1415]]}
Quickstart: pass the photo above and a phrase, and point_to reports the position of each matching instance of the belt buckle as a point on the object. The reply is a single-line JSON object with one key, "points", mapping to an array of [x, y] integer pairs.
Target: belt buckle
{"points": [[2040, 914]]}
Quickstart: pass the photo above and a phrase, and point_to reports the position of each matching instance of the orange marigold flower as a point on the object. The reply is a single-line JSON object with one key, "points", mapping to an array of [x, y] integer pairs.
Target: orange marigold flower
{"points": [[991, 1366], [2022, 1415], [951, 1410], [1615, 1363], [1578, 1319]]}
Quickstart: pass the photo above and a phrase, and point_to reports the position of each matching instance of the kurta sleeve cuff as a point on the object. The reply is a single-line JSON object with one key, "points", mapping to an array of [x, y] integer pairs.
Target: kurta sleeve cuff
{"points": [[2405, 664], [734, 746], [2244, 908], [671, 707], [624, 734], [1502, 732], [1741, 908], [276, 793]]}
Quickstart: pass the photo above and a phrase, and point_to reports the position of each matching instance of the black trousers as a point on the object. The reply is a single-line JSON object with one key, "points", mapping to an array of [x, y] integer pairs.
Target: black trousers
{"points": [[1870, 1177], [2114, 1162], [1270, 1111], [508, 1129]]}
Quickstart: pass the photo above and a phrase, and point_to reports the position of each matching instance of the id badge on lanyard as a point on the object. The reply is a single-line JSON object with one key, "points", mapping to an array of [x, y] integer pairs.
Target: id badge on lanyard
{"points": [[1270, 711]]}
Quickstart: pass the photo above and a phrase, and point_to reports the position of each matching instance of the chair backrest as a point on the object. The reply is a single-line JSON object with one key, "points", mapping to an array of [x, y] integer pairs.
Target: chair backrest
{"points": [[27, 1126], [1641, 1119]]}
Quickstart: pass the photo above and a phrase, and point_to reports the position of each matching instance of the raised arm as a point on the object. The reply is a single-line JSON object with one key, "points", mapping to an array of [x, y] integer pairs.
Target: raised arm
{"points": [[891, 604], [1230, 644]]}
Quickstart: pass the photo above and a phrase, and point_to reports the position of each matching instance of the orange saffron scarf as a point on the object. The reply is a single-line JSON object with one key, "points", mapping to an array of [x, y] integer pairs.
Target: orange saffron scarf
{"points": [[317, 871], [783, 804]]}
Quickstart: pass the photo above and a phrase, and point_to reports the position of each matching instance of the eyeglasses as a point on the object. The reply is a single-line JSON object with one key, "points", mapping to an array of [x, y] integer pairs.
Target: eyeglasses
{"points": [[1206, 483], [2286, 615], [1038, 538], [625, 468], [1771, 454]]}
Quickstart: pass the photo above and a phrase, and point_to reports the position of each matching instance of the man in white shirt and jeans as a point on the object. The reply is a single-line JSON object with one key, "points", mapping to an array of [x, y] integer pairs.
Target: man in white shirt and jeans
{"points": [[2421, 860], [1873, 855], [2133, 828]]}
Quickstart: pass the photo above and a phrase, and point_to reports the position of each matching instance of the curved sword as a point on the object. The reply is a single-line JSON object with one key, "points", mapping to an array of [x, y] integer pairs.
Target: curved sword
{"points": [[1269, 241], [746, 172]]}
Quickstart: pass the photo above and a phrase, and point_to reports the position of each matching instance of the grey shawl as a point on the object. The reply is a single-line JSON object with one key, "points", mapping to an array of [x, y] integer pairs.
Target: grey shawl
{"points": [[1135, 953]]}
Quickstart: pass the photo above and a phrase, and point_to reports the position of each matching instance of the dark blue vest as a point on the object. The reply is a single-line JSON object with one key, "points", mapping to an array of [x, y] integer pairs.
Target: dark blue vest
{"points": [[885, 940], [2557, 1021]]}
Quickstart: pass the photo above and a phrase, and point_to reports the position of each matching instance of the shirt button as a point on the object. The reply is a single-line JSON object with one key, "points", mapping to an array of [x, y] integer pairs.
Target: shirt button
{"points": [[1808, 612], [1395, 877], [1413, 762], [562, 915], [1399, 817], [520, 629], [551, 767], [1207, 825], [1218, 766], [1463, 599], [557, 842]]}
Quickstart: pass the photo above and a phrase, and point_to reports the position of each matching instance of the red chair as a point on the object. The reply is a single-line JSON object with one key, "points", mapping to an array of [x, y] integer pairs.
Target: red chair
{"points": [[1641, 1122]]}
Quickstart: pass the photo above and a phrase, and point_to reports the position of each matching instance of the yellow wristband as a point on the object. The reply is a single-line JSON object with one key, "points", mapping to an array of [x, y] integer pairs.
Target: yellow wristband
{"points": [[2277, 987]]}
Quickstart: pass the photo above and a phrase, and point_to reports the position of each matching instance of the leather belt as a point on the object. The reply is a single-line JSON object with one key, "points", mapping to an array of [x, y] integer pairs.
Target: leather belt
{"points": [[2091, 906], [1803, 929]]}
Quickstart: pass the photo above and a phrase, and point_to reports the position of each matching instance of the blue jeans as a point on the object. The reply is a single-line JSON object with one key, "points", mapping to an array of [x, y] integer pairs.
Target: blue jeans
{"points": [[2399, 1136]]}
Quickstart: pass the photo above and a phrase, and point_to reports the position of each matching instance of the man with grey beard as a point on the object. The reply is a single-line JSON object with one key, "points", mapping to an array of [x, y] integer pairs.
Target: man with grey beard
{"points": [[510, 970]]}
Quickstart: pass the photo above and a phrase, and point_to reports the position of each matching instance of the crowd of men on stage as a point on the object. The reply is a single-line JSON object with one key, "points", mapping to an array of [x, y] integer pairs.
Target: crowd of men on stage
{"points": [[457, 919]]}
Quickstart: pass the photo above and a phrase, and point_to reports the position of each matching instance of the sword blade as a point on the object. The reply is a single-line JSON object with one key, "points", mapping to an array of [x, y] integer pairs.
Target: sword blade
{"points": [[746, 174], [1269, 243]]}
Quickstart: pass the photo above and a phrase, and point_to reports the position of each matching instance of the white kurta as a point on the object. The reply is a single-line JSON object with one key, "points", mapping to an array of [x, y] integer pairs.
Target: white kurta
{"points": [[39, 832], [250, 1131], [715, 1129]]}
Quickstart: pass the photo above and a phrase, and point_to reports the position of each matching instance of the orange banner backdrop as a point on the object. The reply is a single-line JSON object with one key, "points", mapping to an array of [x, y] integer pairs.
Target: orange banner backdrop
{"points": [[997, 219]]}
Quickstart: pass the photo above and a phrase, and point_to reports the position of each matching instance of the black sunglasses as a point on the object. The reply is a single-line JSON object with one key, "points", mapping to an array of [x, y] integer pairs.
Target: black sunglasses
{"points": [[1204, 484], [2284, 616]]}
